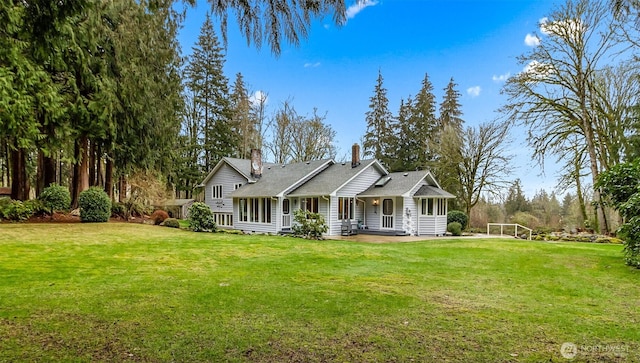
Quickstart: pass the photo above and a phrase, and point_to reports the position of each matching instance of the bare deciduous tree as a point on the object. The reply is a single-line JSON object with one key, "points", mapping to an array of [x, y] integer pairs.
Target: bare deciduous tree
{"points": [[484, 163]]}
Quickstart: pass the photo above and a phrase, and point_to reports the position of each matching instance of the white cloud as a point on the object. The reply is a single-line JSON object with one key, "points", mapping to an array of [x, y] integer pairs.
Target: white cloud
{"points": [[501, 78], [358, 6], [474, 91], [258, 97], [312, 65], [531, 40]]}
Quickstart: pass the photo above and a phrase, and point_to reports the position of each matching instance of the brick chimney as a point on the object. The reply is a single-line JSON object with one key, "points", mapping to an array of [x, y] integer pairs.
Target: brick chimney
{"points": [[256, 163], [355, 155]]}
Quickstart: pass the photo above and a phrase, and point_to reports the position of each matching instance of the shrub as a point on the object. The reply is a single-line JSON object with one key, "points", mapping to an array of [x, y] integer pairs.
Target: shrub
{"points": [[309, 225], [19, 211], [4, 207], [200, 218], [455, 228], [158, 216], [55, 197], [95, 205], [171, 222], [457, 216], [118, 210]]}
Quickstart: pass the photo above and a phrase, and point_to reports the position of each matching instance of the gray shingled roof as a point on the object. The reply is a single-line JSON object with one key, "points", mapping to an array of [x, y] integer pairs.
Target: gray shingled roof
{"points": [[402, 183], [277, 179], [243, 166], [331, 179], [429, 191]]}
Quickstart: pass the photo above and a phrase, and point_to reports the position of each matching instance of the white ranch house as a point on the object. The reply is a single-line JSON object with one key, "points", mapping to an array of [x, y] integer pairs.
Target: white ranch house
{"points": [[361, 197]]}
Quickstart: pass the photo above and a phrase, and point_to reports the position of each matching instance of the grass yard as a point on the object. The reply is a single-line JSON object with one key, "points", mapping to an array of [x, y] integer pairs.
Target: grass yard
{"points": [[129, 292]]}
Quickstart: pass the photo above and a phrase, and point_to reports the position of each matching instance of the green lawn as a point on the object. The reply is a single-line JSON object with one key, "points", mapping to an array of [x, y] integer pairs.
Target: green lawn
{"points": [[119, 292]]}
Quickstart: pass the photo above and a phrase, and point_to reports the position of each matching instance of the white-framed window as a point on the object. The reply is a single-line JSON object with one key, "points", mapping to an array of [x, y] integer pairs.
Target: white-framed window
{"points": [[223, 219], [442, 207], [242, 210], [237, 186], [387, 207], [434, 206], [255, 210], [310, 204], [427, 207], [346, 207], [216, 191]]}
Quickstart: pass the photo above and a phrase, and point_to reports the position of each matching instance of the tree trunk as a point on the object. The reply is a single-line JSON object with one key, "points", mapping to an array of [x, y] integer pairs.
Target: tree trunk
{"points": [[583, 207], [80, 170], [46, 174], [99, 176], [40, 184], [19, 177], [108, 178], [49, 168], [122, 183], [92, 164]]}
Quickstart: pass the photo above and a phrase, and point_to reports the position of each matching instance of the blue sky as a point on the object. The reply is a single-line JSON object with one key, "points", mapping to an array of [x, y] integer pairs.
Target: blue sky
{"points": [[336, 67]]}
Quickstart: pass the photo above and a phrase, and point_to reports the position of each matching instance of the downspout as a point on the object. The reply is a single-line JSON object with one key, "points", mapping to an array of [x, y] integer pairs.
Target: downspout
{"points": [[418, 211]]}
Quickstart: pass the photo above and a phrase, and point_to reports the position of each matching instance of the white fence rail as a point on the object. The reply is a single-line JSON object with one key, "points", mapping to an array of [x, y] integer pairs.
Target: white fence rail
{"points": [[502, 225]]}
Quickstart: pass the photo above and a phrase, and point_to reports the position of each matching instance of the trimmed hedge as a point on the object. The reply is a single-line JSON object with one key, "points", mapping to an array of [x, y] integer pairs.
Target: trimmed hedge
{"points": [[454, 228], [95, 205], [457, 216], [55, 198], [171, 222]]}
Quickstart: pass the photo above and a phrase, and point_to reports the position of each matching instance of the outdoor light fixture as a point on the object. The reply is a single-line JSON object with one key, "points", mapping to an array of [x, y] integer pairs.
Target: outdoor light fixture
{"points": [[375, 205]]}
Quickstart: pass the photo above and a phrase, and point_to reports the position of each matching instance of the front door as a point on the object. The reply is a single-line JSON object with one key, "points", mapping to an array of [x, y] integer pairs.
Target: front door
{"points": [[387, 214], [286, 214]]}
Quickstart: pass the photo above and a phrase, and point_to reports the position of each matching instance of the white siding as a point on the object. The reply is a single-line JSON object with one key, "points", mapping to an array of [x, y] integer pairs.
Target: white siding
{"points": [[228, 178], [410, 222], [433, 225], [358, 185], [373, 214]]}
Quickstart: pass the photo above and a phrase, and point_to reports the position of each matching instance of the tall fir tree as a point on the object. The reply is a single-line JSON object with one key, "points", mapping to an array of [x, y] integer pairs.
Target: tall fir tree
{"points": [[449, 140], [450, 108], [405, 143], [423, 117], [206, 79], [378, 139]]}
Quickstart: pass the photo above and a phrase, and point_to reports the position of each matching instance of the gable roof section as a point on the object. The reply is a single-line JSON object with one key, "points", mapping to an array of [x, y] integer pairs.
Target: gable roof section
{"points": [[402, 183], [334, 178], [242, 166], [429, 191], [278, 179]]}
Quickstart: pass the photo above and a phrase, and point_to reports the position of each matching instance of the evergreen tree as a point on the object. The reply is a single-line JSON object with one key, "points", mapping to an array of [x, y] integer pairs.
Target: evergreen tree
{"points": [[425, 124], [210, 89], [450, 108], [516, 201], [378, 139], [404, 141]]}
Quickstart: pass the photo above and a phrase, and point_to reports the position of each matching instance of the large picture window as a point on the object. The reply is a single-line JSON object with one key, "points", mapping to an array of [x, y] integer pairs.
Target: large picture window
{"points": [[346, 208], [255, 210]]}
